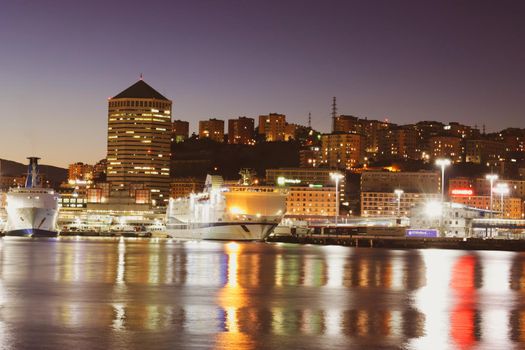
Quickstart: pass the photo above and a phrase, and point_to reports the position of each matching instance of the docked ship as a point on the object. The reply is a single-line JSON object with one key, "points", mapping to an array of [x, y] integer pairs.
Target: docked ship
{"points": [[32, 210], [222, 213]]}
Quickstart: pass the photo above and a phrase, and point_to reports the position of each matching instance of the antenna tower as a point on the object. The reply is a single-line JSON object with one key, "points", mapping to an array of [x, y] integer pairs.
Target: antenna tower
{"points": [[334, 112]]}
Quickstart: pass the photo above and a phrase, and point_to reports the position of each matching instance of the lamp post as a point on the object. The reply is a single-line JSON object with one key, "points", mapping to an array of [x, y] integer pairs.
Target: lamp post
{"points": [[398, 192], [491, 178], [443, 163], [336, 176], [502, 189]]}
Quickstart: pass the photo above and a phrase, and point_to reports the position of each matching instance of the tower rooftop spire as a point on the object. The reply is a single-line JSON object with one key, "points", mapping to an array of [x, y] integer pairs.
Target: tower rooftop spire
{"points": [[141, 89]]}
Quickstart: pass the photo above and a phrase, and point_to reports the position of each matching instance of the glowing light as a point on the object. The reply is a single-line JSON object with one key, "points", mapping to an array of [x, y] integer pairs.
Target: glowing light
{"points": [[236, 211], [462, 192], [433, 209]]}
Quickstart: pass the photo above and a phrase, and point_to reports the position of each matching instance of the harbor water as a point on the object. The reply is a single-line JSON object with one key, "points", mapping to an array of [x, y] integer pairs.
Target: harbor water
{"points": [[126, 293]]}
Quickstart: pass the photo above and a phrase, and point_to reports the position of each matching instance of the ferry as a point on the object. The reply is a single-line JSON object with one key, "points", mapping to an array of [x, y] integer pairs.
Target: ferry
{"points": [[32, 210], [219, 213]]}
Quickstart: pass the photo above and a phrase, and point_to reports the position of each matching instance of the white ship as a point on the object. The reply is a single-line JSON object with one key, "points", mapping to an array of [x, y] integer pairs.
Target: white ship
{"points": [[32, 210], [219, 213]]}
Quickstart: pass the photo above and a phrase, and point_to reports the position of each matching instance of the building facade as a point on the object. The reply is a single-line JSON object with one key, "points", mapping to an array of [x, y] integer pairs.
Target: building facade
{"points": [[139, 138], [241, 131], [272, 126], [180, 130], [342, 151], [212, 129]]}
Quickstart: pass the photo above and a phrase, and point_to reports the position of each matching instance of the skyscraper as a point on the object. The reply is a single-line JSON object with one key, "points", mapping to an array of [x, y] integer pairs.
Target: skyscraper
{"points": [[139, 134]]}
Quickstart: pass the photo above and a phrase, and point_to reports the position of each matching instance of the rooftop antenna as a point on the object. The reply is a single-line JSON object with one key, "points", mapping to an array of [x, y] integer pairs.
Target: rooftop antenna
{"points": [[310, 120], [484, 129], [334, 112], [141, 76]]}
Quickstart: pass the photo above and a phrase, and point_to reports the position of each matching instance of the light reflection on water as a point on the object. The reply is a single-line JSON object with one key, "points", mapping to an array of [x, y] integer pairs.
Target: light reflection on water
{"points": [[156, 294]]}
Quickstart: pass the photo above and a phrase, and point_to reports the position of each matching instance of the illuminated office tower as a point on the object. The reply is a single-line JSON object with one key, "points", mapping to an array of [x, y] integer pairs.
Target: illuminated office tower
{"points": [[139, 135]]}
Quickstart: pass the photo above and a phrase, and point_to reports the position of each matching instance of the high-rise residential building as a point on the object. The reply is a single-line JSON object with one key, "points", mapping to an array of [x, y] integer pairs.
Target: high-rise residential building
{"points": [[180, 130], [402, 142], [241, 131], [347, 124], [212, 129], [341, 150], [460, 130], [273, 126], [486, 152], [445, 147], [139, 138]]}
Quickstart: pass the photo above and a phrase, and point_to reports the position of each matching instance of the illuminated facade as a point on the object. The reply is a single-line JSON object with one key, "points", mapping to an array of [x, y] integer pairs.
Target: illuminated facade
{"points": [[512, 207], [385, 203], [342, 151], [484, 152], [139, 137], [180, 130], [311, 201], [273, 126], [445, 147], [241, 131], [80, 171], [212, 129]]}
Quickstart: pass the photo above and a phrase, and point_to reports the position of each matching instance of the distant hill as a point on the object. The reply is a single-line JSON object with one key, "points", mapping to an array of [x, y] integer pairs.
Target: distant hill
{"points": [[54, 174]]}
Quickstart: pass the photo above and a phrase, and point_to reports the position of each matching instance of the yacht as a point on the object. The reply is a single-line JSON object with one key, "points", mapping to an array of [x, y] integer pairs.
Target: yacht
{"points": [[246, 213], [32, 210]]}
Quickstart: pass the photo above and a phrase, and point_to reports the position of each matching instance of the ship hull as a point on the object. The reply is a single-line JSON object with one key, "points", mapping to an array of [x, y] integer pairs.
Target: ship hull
{"points": [[31, 233], [223, 231], [31, 222]]}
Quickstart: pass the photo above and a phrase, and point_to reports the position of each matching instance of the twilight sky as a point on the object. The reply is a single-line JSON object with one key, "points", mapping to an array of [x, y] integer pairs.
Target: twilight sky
{"points": [[451, 60]]}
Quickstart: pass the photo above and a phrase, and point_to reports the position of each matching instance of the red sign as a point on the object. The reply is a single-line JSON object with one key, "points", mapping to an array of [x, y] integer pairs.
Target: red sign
{"points": [[462, 192]]}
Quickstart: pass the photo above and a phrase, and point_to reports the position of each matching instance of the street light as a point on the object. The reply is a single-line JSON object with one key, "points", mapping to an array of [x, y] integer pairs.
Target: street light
{"points": [[398, 192], [502, 189], [443, 163], [491, 178], [336, 176]]}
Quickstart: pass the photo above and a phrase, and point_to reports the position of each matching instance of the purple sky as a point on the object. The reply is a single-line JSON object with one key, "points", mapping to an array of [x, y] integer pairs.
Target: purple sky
{"points": [[406, 60]]}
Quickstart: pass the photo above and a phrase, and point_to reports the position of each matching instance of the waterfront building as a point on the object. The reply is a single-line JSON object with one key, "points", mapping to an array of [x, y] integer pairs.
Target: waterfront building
{"points": [[378, 191], [212, 129], [241, 131], [445, 147], [342, 151], [450, 219], [486, 152], [305, 202], [272, 126], [409, 181], [384, 204], [180, 131], [139, 137], [481, 187], [512, 206]]}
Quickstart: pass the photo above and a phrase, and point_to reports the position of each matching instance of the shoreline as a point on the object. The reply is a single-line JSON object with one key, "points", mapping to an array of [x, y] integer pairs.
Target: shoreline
{"points": [[514, 245]]}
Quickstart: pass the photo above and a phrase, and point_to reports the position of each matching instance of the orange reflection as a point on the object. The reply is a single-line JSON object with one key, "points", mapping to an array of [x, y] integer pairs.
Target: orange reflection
{"points": [[233, 298]]}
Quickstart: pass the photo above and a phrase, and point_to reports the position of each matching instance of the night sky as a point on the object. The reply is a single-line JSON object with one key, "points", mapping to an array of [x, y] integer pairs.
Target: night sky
{"points": [[403, 60]]}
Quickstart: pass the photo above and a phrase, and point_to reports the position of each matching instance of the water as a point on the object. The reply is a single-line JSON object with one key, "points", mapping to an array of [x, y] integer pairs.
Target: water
{"points": [[149, 294]]}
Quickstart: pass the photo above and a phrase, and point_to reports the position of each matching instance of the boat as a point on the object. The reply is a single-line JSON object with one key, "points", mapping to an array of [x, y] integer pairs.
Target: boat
{"points": [[32, 210], [222, 213]]}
